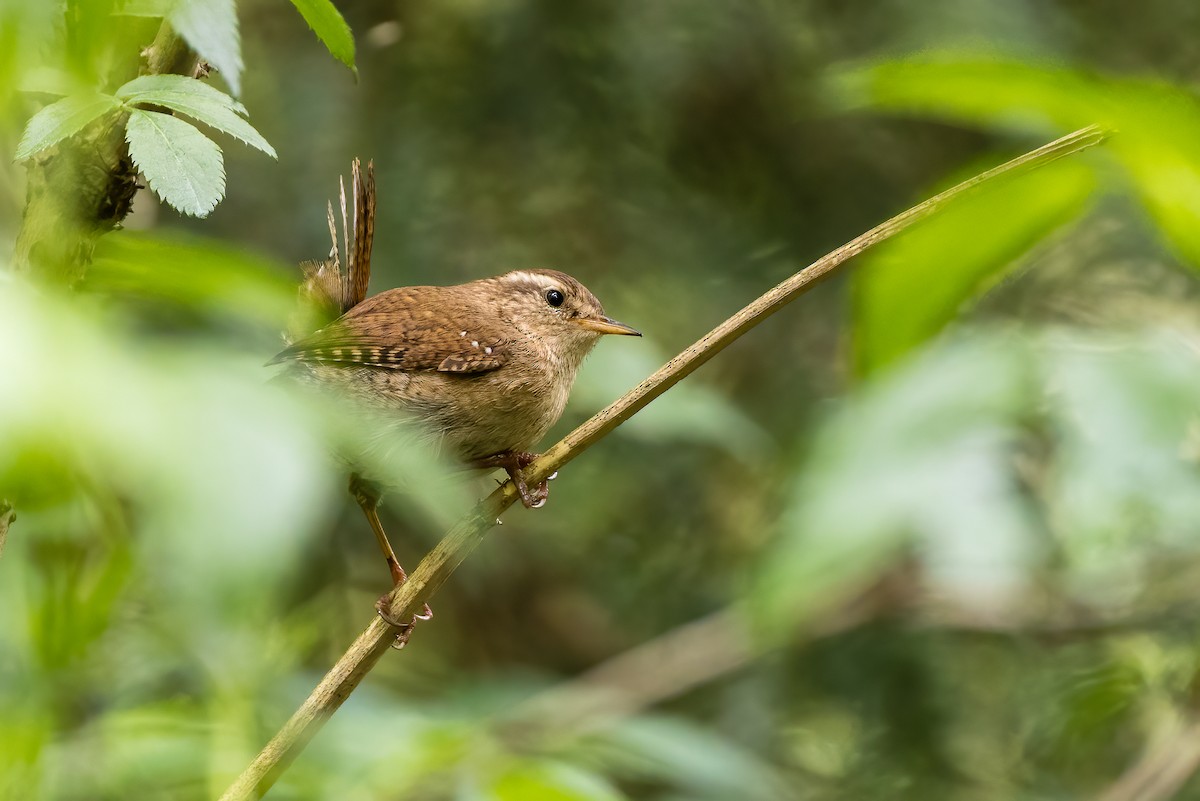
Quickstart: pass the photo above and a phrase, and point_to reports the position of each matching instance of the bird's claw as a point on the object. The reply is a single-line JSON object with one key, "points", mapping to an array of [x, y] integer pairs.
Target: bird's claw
{"points": [[532, 498], [384, 607], [514, 463]]}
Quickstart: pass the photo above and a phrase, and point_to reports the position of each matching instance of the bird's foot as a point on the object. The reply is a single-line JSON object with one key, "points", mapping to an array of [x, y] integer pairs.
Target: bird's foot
{"points": [[514, 463], [404, 629]]}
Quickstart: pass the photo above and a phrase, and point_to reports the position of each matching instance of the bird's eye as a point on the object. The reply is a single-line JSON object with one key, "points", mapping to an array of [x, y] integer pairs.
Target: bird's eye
{"points": [[554, 297]]}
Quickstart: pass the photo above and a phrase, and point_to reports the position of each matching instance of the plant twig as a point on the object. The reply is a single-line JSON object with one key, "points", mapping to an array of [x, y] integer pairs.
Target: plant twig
{"points": [[7, 516], [672, 664], [436, 567], [1166, 765]]}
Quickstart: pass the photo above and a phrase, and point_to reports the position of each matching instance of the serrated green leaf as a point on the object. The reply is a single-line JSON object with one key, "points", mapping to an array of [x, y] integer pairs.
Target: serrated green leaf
{"points": [[184, 167], [59, 120], [211, 28], [145, 84], [197, 100], [910, 287], [330, 27]]}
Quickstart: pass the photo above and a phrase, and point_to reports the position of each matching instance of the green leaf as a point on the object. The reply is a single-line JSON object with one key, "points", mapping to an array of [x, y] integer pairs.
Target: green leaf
{"points": [[679, 751], [46, 80], [1124, 418], [200, 275], [64, 118], [909, 288], [197, 100], [329, 26], [551, 781], [182, 165], [922, 454], [145, 8], [694, 413], [145, 85], [1157, 124], [211, 28]]}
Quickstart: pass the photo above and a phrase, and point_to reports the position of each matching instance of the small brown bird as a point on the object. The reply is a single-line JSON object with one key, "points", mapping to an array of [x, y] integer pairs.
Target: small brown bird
{"points": [[487, 366]]}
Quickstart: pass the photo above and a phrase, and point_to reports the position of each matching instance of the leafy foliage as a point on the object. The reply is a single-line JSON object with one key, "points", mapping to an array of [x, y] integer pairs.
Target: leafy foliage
{"points": [[197, 100], [1159, 124], [937, 448], [909, 288], [956, 494], [329, 26], [182, 164]]}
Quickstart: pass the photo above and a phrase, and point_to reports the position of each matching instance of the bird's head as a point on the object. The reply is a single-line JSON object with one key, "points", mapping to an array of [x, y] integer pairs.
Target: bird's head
{"points": [[554, 306]]}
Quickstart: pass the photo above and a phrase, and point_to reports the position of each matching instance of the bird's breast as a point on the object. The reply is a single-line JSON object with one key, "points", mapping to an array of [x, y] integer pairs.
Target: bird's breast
{"points": [[479, 415]]}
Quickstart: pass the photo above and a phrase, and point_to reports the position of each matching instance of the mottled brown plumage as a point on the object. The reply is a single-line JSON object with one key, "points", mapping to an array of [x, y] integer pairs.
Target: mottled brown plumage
{"points": [[486, 365]]}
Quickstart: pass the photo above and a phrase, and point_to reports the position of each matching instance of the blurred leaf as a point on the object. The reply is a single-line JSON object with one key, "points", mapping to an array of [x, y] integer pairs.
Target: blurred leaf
{"points": [[48, 80], [329, 26], [61, 119], [159, 746], [687, 755], [550, 781], [691, 412], [203, 274], [1127, 473], [911, 286], [184, 167], [221, 480], [927, 456], [146, 8], [1157, 124], [1007, 94], [199, 101], [1090, 701], [922, 453], [211, 28]]}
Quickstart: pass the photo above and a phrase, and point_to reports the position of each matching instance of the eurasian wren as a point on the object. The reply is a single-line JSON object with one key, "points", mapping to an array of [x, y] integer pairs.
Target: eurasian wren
{"points": [[486, 366]]}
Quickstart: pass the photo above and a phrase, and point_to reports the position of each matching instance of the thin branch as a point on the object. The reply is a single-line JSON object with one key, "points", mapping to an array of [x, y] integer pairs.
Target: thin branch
{"points": [[7, 516], [1166, 765], [458, 543], [707, 649], [672, 664], [647, 674]]}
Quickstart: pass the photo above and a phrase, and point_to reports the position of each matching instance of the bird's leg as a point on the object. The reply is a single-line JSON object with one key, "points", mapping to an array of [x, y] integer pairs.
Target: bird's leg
{"points": [[368, 499], [514, 462]]}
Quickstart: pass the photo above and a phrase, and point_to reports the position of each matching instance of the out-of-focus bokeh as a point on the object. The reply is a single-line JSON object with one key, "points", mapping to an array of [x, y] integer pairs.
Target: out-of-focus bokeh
{"points": [[933, 531]]}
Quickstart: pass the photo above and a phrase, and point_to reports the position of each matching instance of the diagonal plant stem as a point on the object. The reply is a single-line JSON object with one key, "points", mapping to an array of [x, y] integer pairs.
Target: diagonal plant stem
{"points": [[1171, 758], [7, 516], [436, 567]]}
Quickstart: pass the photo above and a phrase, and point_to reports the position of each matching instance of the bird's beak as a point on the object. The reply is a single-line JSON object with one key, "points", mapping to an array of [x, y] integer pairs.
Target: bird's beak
{"points": [[606, 325]]}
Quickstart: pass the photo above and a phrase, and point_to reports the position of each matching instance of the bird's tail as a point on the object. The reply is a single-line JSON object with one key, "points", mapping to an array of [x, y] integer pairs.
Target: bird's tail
{"points": [[330, 287]]}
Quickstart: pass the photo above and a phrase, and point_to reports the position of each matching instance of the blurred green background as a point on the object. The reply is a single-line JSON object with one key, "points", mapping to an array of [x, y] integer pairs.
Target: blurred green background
{"points": [[930, 532]]}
